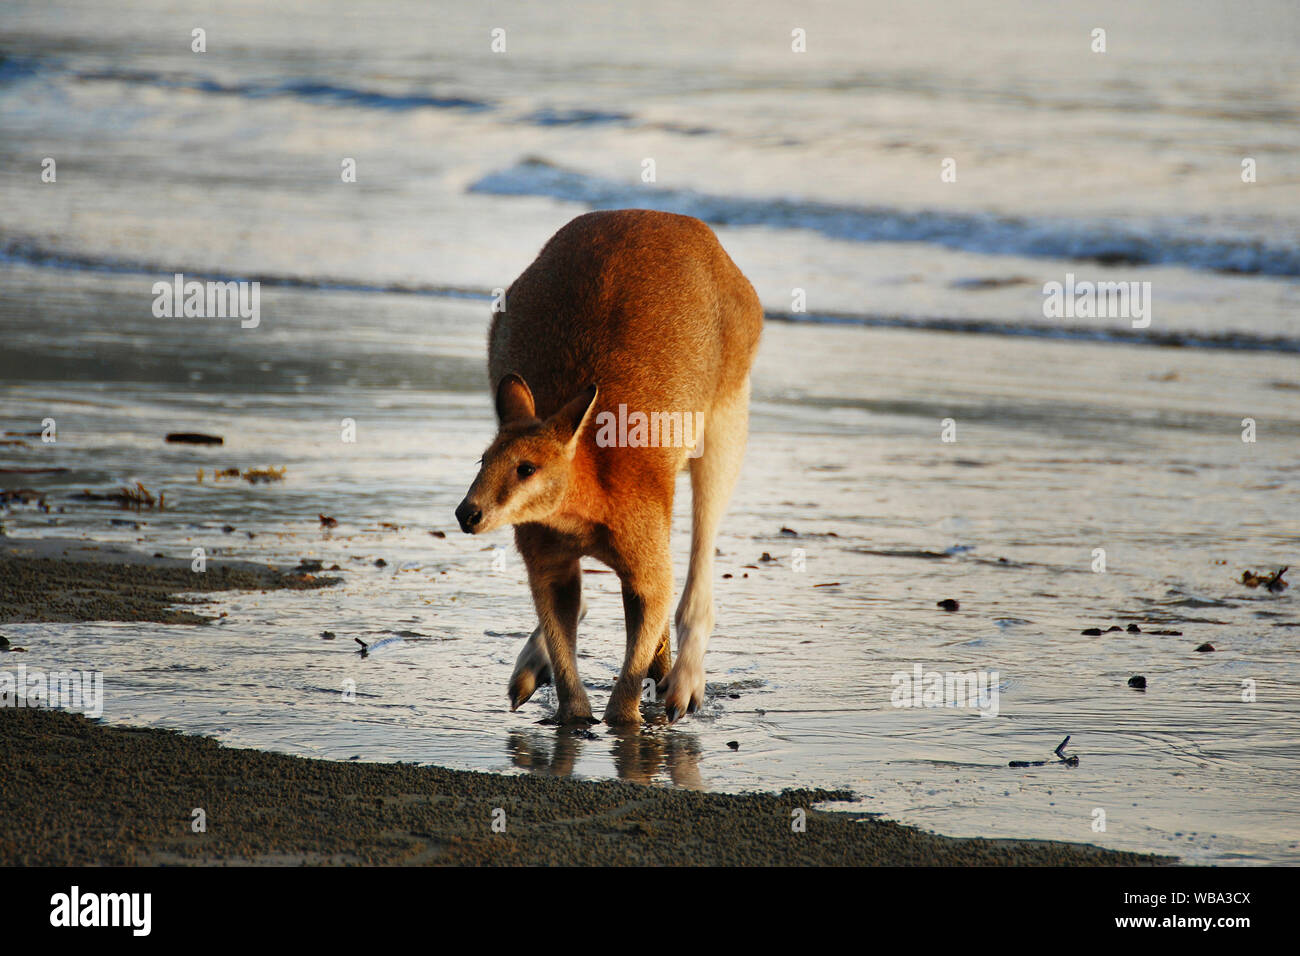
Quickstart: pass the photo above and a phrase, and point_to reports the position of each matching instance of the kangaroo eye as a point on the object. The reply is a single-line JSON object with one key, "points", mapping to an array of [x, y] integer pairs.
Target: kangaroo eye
{"points": [[525, 470]]}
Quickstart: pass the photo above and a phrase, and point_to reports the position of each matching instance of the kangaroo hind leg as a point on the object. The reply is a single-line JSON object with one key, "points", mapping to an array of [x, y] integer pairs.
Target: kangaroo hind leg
{"points": [[713, 476]]}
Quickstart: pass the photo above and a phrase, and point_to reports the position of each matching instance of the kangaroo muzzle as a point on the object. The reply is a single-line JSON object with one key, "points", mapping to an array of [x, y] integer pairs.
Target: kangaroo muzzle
{"points": [[469, 515]]}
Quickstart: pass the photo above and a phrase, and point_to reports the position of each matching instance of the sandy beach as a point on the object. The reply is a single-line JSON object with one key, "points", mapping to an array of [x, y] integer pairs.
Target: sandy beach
{"points": [[78, 793]]}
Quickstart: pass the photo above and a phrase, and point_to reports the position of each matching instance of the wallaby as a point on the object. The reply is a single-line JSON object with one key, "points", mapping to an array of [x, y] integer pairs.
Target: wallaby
{"points": [[628, 323]]}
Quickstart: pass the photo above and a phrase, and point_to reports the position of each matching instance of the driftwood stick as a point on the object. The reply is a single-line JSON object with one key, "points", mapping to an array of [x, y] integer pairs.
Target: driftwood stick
{"points": [[1069, 761]]}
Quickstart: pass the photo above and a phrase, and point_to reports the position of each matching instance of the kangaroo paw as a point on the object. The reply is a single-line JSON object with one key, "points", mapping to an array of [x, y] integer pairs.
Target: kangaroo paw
{"points": [[683, 690], [532, 670]]}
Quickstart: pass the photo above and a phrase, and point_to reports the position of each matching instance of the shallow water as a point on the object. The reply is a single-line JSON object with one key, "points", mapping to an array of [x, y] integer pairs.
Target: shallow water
{"points": [[820, 173]]}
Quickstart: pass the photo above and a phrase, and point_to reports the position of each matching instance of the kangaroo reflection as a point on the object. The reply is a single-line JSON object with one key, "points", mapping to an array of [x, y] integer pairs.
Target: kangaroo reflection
{"points": [[639, 755]]}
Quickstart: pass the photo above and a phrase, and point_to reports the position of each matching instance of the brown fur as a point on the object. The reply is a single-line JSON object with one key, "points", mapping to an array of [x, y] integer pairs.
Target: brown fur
{"points": [[648, 308]]}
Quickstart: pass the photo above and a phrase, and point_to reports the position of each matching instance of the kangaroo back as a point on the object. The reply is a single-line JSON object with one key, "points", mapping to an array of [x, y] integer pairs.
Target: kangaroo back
{"points": [[646, 305]]}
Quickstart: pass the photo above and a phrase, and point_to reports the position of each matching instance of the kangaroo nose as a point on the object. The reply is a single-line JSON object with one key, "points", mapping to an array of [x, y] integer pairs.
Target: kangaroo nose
{"points": [[469, 515]]}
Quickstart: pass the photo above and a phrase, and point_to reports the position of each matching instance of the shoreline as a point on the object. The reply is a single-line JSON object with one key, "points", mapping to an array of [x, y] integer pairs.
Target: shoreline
{"points": [[76, 792], [80, 792]]}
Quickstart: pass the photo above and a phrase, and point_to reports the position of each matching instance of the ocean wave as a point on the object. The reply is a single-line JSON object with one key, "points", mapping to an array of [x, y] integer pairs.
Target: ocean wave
{"points": [[298, 89], [20, 250], [28, 252], [1165, 338], [1108, 243], [15, 68], [553, 116]]}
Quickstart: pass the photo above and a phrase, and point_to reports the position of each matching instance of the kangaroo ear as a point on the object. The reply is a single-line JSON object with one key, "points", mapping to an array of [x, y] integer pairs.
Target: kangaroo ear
{"points": [[568, 421], [514, 400]]}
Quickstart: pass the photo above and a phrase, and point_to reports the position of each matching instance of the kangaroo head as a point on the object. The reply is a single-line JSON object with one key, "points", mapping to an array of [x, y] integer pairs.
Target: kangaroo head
{"points": [[526, 471]]}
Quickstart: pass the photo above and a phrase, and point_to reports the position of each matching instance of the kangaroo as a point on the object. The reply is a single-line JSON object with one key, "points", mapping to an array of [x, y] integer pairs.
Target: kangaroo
{"points": [[623, 312]]}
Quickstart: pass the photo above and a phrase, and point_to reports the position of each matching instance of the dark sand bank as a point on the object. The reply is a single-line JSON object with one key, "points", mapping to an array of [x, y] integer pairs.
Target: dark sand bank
{"points": [[65, 580], [76, 792]]}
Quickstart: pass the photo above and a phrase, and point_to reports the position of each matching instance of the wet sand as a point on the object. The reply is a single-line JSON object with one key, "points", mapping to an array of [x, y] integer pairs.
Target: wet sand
{"points": [[62, 580], [79, 793]]}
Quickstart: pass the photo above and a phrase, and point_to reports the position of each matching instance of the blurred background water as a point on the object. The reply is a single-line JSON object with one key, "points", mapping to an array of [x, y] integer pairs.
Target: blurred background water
{"points": [[820, 171]]}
